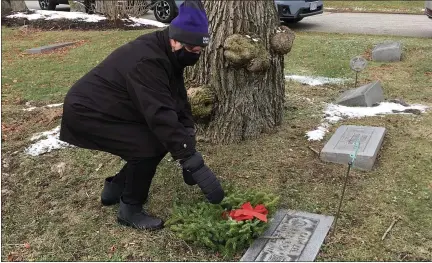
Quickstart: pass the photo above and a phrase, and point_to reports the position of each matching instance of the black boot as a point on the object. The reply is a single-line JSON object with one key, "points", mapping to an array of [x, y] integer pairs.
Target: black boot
{"points": [[134, 216], [111, 192]]}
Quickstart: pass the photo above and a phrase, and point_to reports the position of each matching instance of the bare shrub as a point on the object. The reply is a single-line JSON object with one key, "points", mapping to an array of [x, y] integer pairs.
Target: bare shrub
{"points": [[115, 10]]}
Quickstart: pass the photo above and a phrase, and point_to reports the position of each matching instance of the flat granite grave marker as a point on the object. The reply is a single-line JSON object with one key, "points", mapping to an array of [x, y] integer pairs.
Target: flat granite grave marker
{"points": [[291, 236], [341, 145], [47, 48], [387, 52], [364, 96]]}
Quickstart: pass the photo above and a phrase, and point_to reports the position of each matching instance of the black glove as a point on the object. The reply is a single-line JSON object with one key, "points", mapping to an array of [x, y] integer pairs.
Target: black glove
{"points": [[187, 176], [191, 131], [204, 177]]}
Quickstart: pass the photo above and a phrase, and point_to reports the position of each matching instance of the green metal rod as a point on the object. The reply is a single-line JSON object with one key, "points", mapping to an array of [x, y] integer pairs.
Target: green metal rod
{"points": [[342, 196]]}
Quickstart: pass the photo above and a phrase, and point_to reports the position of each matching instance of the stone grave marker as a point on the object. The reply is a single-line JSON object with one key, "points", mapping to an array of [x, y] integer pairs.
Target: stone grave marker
{"points": [[364, 96], [387, 52], [47, 48], [291, 236], [341, 145]]}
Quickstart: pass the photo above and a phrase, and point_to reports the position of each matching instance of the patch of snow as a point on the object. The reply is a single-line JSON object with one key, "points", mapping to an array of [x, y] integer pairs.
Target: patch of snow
{"points": [[143, 21], [334, 113], [54, 105], [315, 81], [49, 141], [33, 16], [329, 8], [359, 9], [46, 106], [318, 134], [255, 40], [39, 135], [30, 109], [55, 15]]}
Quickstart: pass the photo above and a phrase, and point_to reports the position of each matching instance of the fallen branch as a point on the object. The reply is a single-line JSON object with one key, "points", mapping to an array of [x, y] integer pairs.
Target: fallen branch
{"points": [[14, 245], [315, 151], [99, 167], [390, 228]]}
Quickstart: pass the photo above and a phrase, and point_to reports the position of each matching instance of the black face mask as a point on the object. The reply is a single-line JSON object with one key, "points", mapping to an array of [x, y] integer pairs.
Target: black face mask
{"points": [[186, 58]]}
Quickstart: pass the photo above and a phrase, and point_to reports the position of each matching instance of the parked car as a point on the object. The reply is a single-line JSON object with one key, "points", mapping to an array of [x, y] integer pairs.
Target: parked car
{"points": [[296, 10], [428, 8], [289, 10], [51, 4]]}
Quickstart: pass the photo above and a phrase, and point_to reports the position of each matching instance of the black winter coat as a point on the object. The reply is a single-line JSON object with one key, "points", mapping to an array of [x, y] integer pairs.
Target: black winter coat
{"points": [[133, 104]]}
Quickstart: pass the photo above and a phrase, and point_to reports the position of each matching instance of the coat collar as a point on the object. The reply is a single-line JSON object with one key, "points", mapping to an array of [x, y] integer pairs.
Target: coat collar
{"points": [[165, 44]]}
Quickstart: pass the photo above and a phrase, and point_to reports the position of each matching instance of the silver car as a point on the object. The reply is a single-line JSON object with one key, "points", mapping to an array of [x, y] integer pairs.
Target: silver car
{"points": [[295, 11], [428, 8], [289, 10]]}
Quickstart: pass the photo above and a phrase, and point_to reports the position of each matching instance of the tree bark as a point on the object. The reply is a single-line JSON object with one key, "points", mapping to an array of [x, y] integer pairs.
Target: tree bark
{"points": [[115, 10], [246, 101], [18, 5], [6, 8], [76, 6]]}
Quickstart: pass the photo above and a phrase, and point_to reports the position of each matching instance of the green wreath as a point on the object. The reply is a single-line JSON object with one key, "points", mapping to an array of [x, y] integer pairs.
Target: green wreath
{"points": [[203, 224]]}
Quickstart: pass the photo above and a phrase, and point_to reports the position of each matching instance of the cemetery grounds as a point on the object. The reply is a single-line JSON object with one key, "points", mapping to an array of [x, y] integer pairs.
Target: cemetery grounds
{"points": [[50, 203]]}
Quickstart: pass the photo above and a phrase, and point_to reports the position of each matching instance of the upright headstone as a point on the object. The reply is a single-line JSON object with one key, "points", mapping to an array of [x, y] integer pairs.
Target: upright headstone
{"points": [[47, 48], [291, 236], [364, 96], [341, 145], [387, 52]]}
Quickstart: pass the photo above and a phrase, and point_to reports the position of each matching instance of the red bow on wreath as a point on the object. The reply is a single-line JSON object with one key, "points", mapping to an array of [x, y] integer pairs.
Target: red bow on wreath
{"points": [[247, 212]]}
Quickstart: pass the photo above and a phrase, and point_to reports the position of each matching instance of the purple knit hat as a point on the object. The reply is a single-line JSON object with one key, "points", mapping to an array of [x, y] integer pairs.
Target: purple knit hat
{"points": [[191, 24]]}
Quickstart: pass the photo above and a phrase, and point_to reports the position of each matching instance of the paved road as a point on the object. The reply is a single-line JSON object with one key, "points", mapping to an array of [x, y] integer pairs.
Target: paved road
{"points": [[368, 23], [358, 23]]}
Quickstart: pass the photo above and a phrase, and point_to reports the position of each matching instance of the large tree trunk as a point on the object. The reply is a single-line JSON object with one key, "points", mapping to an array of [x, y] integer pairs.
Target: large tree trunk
{"points": [[118, 9], [240, 73], [76, 6], [18, 5], [7, 6]]}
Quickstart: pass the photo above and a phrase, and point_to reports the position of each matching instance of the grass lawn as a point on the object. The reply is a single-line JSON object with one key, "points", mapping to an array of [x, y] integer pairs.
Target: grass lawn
{"points": [[52, 202], [403, 7]]}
